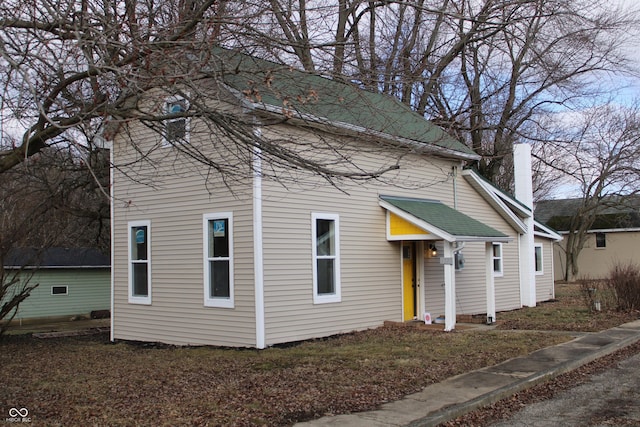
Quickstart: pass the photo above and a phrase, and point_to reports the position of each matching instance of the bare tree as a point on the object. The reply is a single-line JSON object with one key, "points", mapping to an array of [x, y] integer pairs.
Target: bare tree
{"points": [[76, 72], [482, 69], [602, 158], [53, 199]]}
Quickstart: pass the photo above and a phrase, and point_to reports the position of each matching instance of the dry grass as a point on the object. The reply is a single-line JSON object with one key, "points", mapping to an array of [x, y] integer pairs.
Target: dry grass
{"points": [[569, 312], [90, 381]]}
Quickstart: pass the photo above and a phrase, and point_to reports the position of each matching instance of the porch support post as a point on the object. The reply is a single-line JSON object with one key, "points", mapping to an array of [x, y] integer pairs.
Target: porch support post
{"points": [[449, 288], [491, 290]]}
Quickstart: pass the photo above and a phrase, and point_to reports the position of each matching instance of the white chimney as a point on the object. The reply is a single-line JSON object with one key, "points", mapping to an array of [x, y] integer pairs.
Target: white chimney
{"points": [[523, 181]]}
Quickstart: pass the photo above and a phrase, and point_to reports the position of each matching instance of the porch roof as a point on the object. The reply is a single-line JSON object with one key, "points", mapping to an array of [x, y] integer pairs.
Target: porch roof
{"points": [[442, 221]]}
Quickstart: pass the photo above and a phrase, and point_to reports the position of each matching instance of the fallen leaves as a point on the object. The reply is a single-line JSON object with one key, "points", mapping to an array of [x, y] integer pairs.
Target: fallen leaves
{"points": [[89, 381]]}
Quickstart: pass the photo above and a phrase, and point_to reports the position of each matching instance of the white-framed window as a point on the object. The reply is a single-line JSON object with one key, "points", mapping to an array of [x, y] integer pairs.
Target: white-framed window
{"points": [[538, 259], [139, 262], [497, 260], [325, 235], [218, 259], [601, 240], [176, 129], [59, 290]]}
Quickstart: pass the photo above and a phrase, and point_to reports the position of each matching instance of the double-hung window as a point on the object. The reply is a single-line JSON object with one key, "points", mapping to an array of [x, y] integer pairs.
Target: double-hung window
{"points": [[140, 262], [538, 259], [326, 258], [218, 259], [497, 260], [601, 240], [176, 128]]}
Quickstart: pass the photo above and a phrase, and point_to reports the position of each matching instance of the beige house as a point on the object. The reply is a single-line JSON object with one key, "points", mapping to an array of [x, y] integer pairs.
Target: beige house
{"points": [[613, 237], [283, 255]]}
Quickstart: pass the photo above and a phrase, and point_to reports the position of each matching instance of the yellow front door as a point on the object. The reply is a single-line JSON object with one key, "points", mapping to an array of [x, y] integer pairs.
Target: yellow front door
{"points": [[409, 280]]}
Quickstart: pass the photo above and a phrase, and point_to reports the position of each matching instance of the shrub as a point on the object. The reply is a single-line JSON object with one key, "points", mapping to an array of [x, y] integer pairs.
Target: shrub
{"points": [[624, 279]]}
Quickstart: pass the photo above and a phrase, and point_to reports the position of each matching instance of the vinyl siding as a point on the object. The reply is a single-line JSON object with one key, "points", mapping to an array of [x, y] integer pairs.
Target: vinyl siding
{"points": [[596, 263], [371, 280], [433, 286], [173, 193], [88, 290], [470, 283], [544, 282]]}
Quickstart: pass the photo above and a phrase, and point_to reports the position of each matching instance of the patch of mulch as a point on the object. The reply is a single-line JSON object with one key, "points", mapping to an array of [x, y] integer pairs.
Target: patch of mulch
{"points": [[505, 408]]}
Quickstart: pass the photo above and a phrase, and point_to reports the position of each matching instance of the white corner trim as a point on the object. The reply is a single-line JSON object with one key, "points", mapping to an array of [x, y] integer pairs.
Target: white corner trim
{"points": [[258, 254], [112, 236]]}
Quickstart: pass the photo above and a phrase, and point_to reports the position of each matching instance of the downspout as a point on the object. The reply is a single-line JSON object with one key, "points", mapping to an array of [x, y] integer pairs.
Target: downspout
{"points": [[454, 175], [258, 264], [112, 237]]}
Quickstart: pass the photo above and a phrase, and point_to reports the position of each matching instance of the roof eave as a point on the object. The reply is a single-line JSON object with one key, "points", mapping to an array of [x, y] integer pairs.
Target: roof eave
{"points": [[420, 146], [497, 202], [417, 221], [444, 235], [56, 267], [547, 232]]}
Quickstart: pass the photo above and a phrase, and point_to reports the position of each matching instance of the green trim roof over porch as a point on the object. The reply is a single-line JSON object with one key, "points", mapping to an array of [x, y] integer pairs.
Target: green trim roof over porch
{"points": [[442, 221]]}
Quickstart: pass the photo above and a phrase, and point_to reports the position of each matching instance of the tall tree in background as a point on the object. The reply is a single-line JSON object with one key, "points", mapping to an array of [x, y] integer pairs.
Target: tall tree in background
{"points": [[483, 69]]}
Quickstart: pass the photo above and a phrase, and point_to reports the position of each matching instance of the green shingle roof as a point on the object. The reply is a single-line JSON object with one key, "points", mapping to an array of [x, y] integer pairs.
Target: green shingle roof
{"points": [[299, 93], [445, 218]]}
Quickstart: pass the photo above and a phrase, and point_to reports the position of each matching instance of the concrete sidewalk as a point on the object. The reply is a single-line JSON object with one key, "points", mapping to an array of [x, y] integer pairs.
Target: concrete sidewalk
{"points": [[458, 395]]}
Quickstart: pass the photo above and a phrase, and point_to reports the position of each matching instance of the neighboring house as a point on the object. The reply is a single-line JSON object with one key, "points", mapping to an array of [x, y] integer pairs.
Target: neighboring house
{"points": [[71, 281], [613, 237], [257, 262]]}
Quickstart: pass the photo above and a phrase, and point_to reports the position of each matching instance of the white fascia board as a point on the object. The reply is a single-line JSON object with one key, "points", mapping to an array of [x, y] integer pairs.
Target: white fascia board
{"points": [[498, 202], [613, 230], [57, 267], [547, 236], [546, 232], [513, 203], [608, 230], [440, 234]]}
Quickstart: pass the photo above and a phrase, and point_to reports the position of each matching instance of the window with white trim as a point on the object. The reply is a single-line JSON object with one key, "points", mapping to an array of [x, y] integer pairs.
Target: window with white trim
{"points": [[601, 240], [140, 262], [218, 259], [538, 259], [176, 129], [497, 259], [326, 257]]}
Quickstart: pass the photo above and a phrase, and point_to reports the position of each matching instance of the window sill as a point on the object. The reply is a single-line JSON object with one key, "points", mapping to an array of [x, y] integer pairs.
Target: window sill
{"points": [[219, 303]]}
